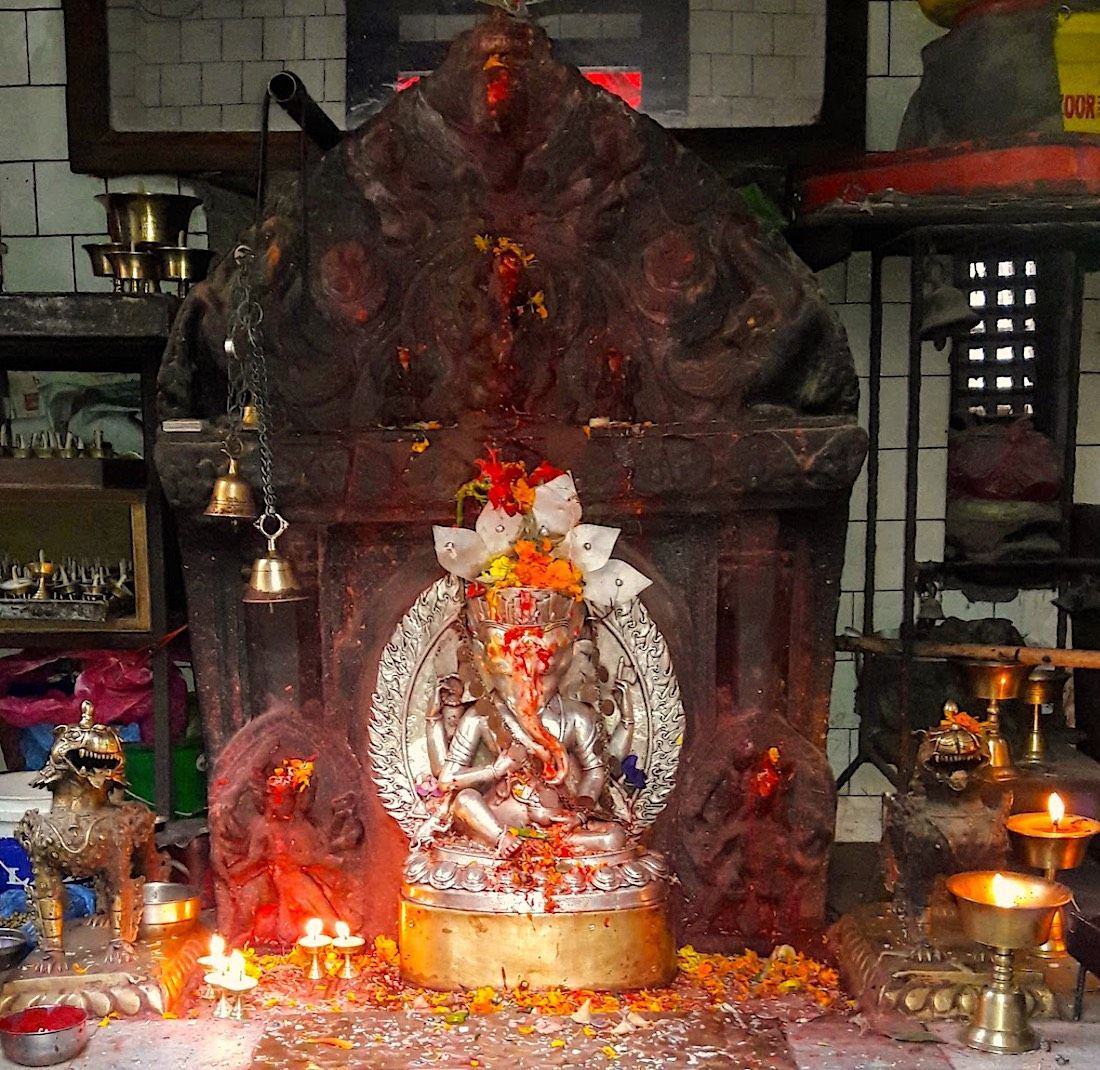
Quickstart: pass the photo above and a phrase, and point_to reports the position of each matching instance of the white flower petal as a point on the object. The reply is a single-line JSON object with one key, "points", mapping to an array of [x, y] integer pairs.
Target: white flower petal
{"points": [[557, 507], [588, 546], [614, 584], [498, 530], [461, 551]]}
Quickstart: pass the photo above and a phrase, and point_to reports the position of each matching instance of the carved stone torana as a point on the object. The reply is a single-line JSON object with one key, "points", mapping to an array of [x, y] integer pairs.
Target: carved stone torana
{"points": [[88, 833], [287, 831], [665, 301]]}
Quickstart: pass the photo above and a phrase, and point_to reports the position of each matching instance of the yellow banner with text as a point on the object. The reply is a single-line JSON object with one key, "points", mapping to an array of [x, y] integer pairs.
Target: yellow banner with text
{"points": [[1077, 51]]}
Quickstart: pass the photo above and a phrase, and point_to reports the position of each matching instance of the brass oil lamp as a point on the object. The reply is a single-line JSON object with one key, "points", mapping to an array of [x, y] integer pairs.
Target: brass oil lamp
{"points": [[995, 682], [1052, 841], [1006, 912]]}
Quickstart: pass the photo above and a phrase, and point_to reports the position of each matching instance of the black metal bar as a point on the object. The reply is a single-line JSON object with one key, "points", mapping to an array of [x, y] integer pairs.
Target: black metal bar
{"points": [[158, 610], [1071, 365], [874, 384], [261, 163], [289, 92], [912, 459]]}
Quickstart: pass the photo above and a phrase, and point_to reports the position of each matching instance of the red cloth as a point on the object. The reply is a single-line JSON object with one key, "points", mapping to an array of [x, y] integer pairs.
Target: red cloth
{"points": [[118, 682]]}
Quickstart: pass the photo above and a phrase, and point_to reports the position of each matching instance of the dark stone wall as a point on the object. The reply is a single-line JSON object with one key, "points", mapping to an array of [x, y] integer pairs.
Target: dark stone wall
{"points": [[727, 453]]}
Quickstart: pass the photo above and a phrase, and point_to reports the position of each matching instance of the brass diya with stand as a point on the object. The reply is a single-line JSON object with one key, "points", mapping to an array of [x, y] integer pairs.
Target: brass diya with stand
{"points": [[995, 682], [1005, 912], [1051, 842]]}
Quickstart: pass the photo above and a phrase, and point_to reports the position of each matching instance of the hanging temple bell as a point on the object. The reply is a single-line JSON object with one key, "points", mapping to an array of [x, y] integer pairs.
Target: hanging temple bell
{"points": [[232, 496], [272, 577]]}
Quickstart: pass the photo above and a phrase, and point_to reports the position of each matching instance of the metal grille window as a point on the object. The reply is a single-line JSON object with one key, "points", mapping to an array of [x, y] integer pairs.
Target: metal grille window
{"points": [[995, 368]]}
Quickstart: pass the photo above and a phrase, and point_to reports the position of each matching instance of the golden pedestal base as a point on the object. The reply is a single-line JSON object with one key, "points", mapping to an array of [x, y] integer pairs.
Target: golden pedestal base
{"points": [[625, 948]]}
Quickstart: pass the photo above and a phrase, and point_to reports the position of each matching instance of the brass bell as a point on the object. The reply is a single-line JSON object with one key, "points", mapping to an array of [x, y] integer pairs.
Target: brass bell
{"points": [[947, 313], [232, 496], [250, 418], [272, 579]]}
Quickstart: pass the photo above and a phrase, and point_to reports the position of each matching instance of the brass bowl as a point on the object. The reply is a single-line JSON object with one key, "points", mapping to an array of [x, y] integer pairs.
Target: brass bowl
{"points": [[170, 910], [992, 680], [101, 264], [1023, 924], [148, 217], [14, 947], [138, 270], [1041, 847], [180, 263]]}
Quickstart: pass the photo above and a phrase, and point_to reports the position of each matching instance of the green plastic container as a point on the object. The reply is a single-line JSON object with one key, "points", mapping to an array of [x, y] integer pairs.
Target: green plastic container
{"points": [[188, 780]]}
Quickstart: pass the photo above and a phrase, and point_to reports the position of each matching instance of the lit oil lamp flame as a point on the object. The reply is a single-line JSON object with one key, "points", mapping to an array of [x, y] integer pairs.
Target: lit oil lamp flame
{"points": [[217, 946], [236, 967], [1057, 810], [343, 930], [314, 928], [1002, 892]]}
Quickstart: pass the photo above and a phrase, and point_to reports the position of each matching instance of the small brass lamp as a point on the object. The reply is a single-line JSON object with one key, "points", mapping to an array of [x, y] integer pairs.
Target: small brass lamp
{"points": [[995, 681], [1006, 912], [1043, 688]]}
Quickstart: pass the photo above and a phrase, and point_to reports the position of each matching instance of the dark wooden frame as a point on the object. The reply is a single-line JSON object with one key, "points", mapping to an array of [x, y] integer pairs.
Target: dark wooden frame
{"points": [[96, 148], [376, 47]]}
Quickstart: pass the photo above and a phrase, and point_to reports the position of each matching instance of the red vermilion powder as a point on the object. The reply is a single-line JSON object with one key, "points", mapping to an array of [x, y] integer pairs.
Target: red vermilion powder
{"points": [[42, 1020]]}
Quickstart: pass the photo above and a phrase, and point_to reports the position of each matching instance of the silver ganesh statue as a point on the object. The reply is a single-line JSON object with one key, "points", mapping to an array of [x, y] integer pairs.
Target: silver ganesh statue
{"points": [[531, 755], [524, 773]]}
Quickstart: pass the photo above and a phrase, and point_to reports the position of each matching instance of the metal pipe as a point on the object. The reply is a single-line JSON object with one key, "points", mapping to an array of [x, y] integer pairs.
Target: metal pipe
{"points": [[290, 93]]}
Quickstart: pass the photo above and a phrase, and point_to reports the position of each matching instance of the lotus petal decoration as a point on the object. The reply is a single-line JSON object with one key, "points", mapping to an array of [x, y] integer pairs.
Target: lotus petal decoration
{"points": [[461, 551], [588, 546], [614, 585], [498, 530], [557, 507]]}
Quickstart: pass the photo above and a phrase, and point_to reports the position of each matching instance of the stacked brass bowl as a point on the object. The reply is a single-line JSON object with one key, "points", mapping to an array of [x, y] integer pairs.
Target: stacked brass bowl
{"points": [[148, 243]]}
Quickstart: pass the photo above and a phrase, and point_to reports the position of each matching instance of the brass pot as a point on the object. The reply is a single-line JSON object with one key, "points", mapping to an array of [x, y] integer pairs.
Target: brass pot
{"points": [[148, 217], [98, 254]]}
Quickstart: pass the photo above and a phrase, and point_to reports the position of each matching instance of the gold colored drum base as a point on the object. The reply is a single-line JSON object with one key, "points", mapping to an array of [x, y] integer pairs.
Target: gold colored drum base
{"points": [[446, 949]]}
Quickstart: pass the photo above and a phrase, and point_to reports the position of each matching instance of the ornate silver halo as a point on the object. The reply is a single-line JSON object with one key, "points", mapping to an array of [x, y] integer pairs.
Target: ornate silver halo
{"points": [[425, 646]]}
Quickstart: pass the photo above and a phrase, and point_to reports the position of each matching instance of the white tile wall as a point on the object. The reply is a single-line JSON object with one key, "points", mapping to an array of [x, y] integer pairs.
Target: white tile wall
{"points": [[46, 212]]}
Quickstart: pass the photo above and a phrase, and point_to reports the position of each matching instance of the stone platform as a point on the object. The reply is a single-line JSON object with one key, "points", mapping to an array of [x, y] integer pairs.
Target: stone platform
{"points": [[155, 982], [831, 1042]]}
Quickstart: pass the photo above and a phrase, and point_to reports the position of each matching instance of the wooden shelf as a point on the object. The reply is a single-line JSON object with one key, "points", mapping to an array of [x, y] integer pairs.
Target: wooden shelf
{"points": [[48, 475]]}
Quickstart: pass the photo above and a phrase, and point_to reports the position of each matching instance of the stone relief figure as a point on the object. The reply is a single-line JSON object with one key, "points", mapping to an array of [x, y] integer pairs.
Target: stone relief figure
{"points": [[287, 842]]}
